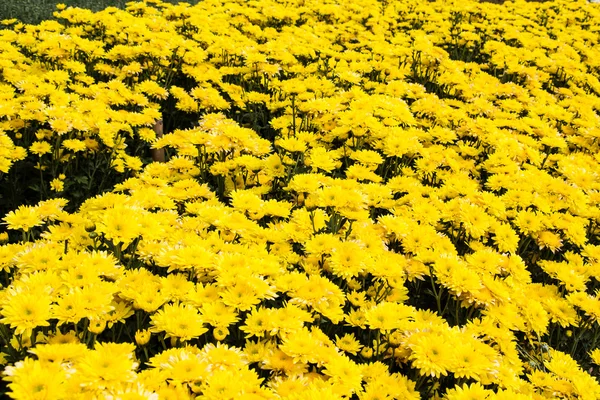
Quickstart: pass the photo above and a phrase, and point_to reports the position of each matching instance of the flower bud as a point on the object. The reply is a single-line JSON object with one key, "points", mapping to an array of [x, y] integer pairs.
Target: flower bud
{"points": [[142, 337], [367, 352], [97, 326], [90, 227], [227, 235], [220, 333]]}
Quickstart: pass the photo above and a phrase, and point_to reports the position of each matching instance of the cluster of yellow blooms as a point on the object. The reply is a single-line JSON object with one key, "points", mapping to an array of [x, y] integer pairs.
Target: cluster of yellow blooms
{"points": [[376, 200]]}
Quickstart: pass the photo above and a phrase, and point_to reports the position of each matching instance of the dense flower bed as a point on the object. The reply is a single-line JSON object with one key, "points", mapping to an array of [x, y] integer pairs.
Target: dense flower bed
{"points": [[361, 200]]}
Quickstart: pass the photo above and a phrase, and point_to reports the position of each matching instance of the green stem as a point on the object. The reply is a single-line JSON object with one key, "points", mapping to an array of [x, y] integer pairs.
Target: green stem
{"points": [[577, 339], [438, 296], [294, 114]]}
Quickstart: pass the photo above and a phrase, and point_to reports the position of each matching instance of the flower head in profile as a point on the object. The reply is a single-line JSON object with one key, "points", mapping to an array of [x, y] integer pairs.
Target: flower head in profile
{"points": [[23, 218], [74, 145], [40, 148]]}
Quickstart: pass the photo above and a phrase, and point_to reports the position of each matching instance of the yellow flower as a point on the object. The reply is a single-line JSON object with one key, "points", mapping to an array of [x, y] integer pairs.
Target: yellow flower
{"points": [[362, 173], [29, 379], [346, 376], [595, 355], [505, 239], [305, 347], [218, 314], [348, 343], [91, 144], [549, 240], [107, 364], [60, 352], [528, 222], [57, 185], [387, 316], [23, 218], [120, 224], [40, 148], [257, 322], [474, 359], [178, 321], [367, 352], [25, 311], [321, 159], [291, 144], [220, 333], [466, 391], [142, 337], [348, 260], [431, 354], [97, 326]]}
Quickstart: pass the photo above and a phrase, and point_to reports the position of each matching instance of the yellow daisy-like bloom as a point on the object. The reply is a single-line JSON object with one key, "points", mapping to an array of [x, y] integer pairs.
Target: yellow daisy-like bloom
{"points": [[25, 311], [120, 224], [74, 145], [347, 260], [178, 321], [466, 391], [348, 343], [23, 218], [505, 239], [33, 379], [107, 364], [595, 356], [474, 360], [321, 159], [431, 355], [305, 347], [60, 352], [549, 240], [40, 148], [387, 316], [57, 185]]}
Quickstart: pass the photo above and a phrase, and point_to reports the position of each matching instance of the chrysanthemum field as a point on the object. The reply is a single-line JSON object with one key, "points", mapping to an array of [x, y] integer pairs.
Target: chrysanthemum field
{"points": [[301, 199]]}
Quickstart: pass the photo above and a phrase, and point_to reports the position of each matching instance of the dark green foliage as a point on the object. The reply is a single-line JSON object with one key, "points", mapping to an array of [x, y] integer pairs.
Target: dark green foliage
{"points": [[35, 11]]}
